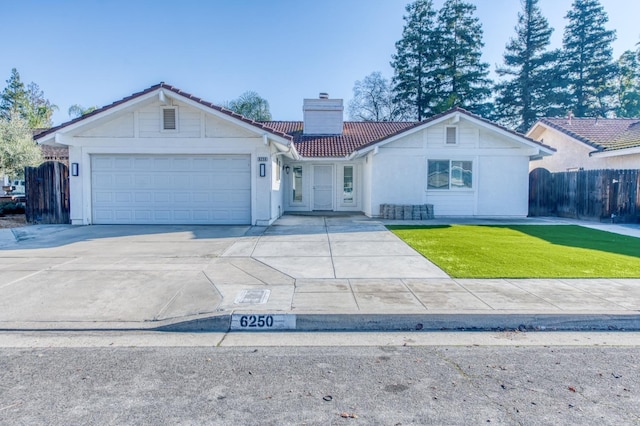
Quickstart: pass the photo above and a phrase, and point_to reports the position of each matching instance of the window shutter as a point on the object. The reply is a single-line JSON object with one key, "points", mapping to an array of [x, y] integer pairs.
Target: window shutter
{"points": [[169, 119], [451, 136]]}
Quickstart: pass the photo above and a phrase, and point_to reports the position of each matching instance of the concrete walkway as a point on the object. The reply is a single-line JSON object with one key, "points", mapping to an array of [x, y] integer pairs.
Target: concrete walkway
{"points": [[321, 272]]}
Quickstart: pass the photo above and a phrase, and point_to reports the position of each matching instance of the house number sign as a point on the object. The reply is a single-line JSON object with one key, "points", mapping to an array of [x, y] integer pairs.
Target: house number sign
{"points": [[262, 322]]}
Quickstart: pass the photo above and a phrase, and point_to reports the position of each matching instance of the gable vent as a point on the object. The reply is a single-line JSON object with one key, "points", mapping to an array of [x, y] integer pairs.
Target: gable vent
{"points": [[452, 133], [169, 119]]}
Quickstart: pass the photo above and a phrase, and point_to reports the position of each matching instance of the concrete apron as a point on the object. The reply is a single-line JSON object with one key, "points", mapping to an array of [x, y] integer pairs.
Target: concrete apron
{"points": [[315, 273]]}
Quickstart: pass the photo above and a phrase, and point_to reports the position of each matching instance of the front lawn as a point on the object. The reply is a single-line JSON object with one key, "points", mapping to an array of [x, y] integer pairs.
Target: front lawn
{"points": [[525, 251]]}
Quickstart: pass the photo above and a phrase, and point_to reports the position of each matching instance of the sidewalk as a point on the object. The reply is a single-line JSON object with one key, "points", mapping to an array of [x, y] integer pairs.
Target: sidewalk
{"points": [[307, 273]]}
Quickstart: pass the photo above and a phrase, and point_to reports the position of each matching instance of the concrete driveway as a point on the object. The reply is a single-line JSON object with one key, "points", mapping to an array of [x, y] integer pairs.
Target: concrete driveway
{"points": [[121, 276]]}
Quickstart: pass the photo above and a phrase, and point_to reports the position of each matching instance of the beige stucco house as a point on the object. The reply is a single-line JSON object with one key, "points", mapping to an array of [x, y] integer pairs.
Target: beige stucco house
{"points": [[588, 143]]}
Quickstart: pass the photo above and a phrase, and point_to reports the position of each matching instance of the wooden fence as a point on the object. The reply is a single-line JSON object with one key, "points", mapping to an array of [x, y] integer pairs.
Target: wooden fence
{"points": [[47, 191], [612, 195]]}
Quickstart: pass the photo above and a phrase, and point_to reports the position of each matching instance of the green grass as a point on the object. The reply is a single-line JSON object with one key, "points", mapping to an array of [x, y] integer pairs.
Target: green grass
{"points": [[525, 251]]}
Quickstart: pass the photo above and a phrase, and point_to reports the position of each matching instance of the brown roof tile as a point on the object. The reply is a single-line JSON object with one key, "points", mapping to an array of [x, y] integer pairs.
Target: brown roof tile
{"points": [[360, 134], [604, 134], [355, 135]]}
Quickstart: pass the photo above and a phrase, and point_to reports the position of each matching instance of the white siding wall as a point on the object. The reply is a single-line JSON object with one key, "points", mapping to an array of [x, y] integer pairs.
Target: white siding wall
{"points": [[499, 165], [367, 179], [139, 132], [503, 186]]}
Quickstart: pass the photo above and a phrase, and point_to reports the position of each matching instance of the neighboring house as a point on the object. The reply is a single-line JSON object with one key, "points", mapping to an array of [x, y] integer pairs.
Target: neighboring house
{"points": [[55, 153], [167, 157], [588, 143], [52, 153]]}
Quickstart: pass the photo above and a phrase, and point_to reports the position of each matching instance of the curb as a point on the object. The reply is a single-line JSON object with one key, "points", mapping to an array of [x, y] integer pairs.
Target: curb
{"points": [[312, 322], [425, 322]]}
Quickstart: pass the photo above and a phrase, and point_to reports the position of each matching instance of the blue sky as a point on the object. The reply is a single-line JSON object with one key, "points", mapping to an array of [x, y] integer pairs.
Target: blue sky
{"points": [[94, 52]]}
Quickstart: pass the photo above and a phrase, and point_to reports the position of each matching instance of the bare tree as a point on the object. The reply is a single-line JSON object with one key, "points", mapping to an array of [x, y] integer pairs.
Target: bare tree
{"points": [[373, 100]]}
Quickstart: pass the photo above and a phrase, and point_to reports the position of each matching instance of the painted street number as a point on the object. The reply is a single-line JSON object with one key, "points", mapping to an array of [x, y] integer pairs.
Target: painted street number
{"points": [[263, 322]]}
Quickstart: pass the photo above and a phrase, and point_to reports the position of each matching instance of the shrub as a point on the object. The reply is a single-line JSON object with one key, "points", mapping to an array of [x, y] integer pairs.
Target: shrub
{"points": [[11, 208]]}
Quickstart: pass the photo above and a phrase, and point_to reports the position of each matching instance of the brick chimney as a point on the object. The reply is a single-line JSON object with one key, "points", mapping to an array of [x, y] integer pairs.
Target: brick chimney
{"points": [[323, 116]]}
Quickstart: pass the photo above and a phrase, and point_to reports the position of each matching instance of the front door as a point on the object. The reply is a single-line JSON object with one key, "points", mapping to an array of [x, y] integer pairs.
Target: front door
{"points": [[323, 187]]}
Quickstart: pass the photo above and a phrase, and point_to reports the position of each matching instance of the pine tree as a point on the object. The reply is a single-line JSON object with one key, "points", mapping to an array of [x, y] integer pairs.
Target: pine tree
{"points": [[530, 91], [414, 82], [587, 60], [13, 97], [628, 85], [39, 109], [29, 103], [462, 76]]}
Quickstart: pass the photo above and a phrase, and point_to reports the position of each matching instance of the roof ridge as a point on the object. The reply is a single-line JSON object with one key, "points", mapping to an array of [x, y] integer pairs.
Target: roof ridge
{"points": [[163, 85]]}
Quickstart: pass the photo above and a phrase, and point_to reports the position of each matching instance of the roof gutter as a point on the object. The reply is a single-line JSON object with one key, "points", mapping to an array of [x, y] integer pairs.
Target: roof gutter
{"points": [[616, 152], [286, 150]]}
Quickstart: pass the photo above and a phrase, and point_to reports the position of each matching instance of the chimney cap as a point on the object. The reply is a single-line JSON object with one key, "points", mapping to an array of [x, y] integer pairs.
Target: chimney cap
{"points": [[323, 95]]}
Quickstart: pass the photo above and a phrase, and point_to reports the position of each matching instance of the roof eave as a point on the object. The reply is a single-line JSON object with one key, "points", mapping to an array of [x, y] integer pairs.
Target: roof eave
{"points": [[616, 152], [162, 91]]}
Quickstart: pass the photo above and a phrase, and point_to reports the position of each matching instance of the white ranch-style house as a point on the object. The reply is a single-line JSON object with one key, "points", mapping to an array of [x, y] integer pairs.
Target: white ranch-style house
{"points": [[163, 156]]}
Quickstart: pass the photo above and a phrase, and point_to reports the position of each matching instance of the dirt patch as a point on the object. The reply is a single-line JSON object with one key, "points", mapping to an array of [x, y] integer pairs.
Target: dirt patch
{"points": [[12, 221]]}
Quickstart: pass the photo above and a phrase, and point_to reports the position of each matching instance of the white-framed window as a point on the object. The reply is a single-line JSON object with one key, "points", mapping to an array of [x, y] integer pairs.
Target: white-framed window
{"points": [[170, 119], [278, 167], [348, 180], [296, 184], [449, 174], [451, 135]]}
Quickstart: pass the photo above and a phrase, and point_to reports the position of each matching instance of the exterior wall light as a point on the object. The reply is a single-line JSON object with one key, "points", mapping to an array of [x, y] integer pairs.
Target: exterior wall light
{"points": [[75, 169], [287, 169]]}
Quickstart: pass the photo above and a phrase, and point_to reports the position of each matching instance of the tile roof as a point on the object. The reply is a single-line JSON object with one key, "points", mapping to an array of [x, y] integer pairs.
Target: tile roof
{"points": [[361, 134], [355, 135], [174, 90], [604, 134], [474, 116]]}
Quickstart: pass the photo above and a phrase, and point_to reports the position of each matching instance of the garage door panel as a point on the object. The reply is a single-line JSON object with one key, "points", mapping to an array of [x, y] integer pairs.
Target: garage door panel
{"points": [[101, 180], [171, 189], [123, 197]]}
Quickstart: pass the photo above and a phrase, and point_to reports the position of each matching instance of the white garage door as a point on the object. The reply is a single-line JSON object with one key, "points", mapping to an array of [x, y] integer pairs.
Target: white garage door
{"points": [[158, 189]]}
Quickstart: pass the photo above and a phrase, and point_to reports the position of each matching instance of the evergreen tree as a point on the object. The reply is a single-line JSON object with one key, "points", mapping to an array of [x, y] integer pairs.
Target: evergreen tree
{"points": [[414, 64], [462, 76], [530, 91], [587, 61], [29, 103], [13, 97], [628, 85], [39, 109]]}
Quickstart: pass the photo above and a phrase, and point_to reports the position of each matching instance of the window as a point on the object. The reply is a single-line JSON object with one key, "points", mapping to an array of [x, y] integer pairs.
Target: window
{"points": [[169, 121], [278, 167], [347, 185], [449, 174], [451, 135], [296, 184]]}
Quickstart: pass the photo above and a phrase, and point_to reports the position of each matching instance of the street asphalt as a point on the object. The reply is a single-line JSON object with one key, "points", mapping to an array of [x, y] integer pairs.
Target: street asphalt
{"points": [[303, 273]]}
